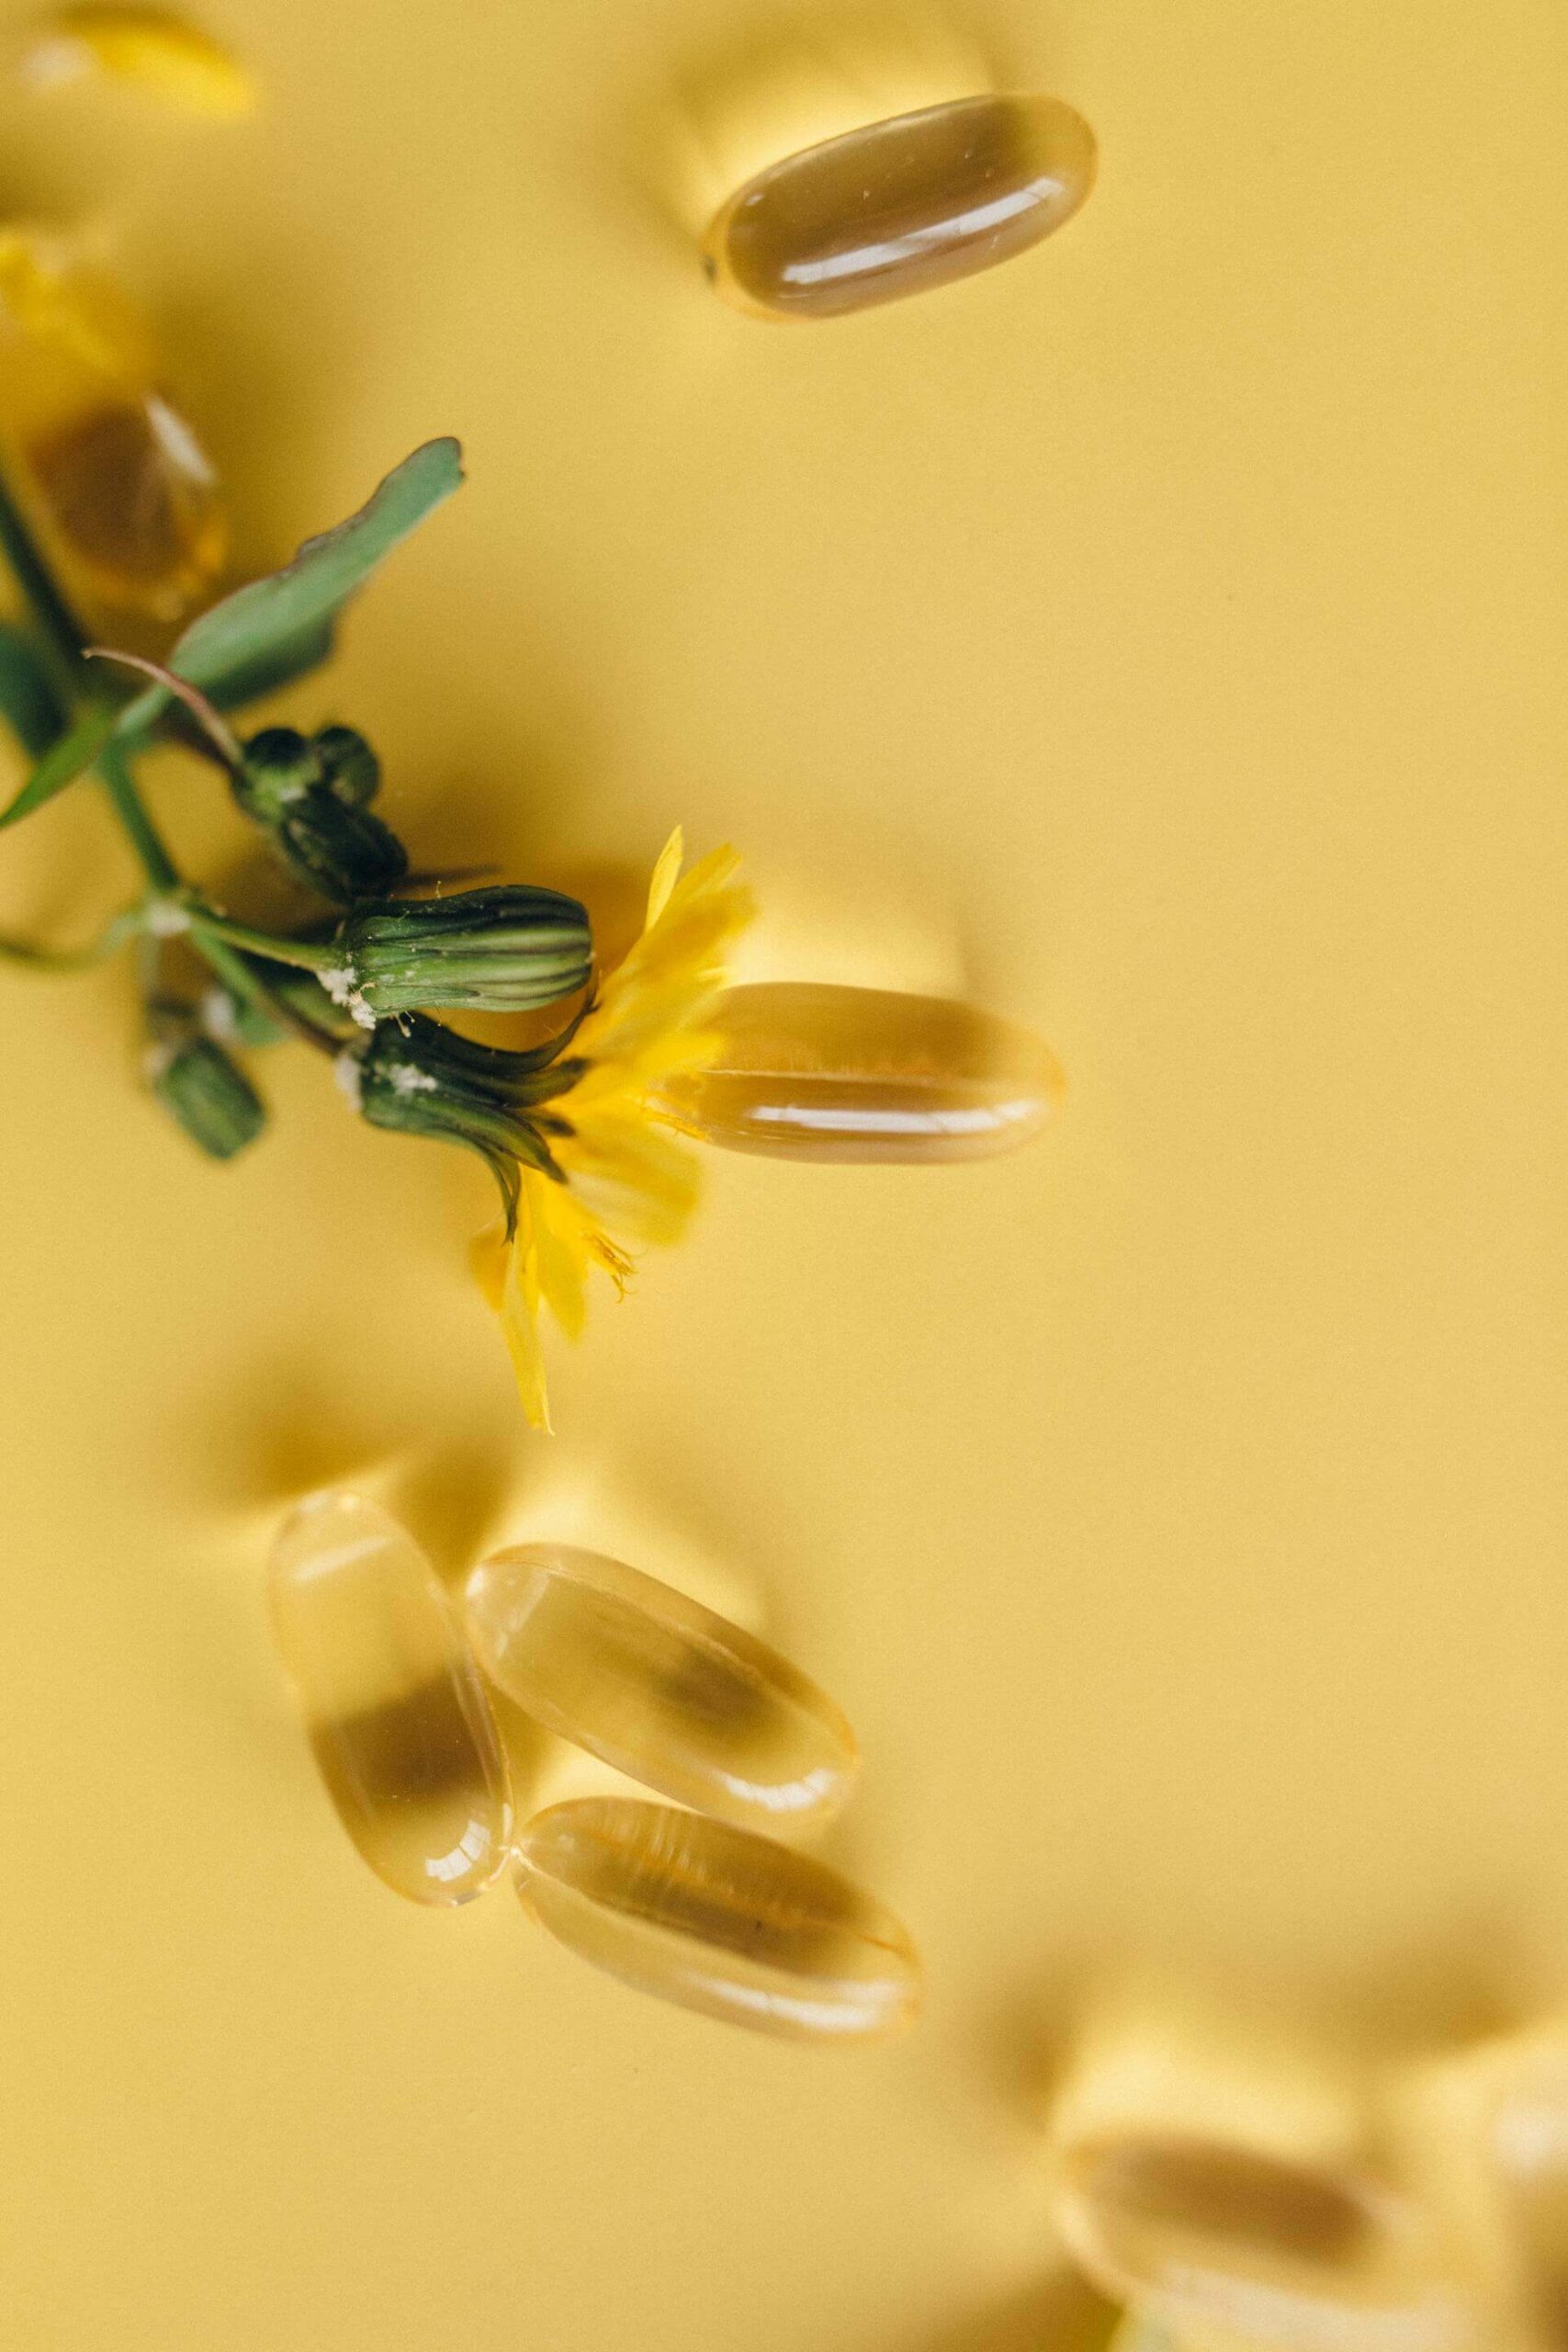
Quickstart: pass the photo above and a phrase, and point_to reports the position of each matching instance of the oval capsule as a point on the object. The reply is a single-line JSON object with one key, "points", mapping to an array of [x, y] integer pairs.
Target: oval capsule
{"points": [[810, 1071], [900, 206], [661, 1688], [121, 486], [1282, 2252], [718, 1919], [397, 1715]]}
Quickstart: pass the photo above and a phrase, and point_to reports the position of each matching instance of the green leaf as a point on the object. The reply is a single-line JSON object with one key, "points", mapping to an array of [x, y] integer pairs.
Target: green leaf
{"points": [[26, 692], [72, 756], [266, 621], [280, 666]]}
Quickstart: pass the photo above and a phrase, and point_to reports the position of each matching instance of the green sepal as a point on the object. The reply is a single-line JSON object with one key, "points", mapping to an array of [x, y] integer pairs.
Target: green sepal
{"points": [[415, 1076], [27, 698]]}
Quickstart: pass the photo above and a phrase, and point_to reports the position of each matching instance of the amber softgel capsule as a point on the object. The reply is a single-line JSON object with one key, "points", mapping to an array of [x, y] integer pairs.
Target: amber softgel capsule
{"points": [[718, 1919], [900, 206], [805, 1071], [666, 1691], [397, 1714], [1278, 2251], [119, 482]]}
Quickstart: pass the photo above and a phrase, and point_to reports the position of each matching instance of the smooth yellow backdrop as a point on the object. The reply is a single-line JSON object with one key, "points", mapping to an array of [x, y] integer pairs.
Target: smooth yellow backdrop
{"points": [[1162, 639]]}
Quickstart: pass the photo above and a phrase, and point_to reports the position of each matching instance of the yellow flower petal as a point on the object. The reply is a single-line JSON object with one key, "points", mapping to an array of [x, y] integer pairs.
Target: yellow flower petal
{"points": [[666, 873], [148, 48], [626, 1172]]}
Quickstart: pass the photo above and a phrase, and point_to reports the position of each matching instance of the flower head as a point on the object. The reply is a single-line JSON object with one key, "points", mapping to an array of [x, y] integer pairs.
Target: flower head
{"points": [[621, 1180]]}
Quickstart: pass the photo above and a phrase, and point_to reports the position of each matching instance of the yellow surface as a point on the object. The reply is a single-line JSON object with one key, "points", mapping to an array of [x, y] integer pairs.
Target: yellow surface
{"points": [[1162, 637]]}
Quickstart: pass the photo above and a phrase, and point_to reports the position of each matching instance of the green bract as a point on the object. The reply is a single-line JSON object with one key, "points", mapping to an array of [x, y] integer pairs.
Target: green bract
{"points": [[507, 949], [417, 1078]]}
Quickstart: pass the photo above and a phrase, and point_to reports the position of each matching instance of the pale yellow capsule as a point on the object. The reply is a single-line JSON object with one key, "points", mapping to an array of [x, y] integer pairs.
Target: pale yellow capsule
{"points": [[809, 1071], [121, 487], [397, 1715], [146, 48], [1307, 2257], [900, 206], [718, 1919], [660, 1687]]}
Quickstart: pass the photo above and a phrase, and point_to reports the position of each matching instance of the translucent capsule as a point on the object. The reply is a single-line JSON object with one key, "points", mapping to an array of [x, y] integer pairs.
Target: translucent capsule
{"points": [[808, 1071], [900, 206], [120, 485], [658, 1686], [397, 1714], [718, 1919], [1281, 2252]]}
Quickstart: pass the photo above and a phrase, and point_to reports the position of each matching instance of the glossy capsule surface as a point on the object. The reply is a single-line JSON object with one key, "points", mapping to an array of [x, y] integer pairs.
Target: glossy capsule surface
{"points": [[806, 1070], [900, 206], [119, 484], [718, 1919], [660, 1687], [396, 1711], [1288, 2254]]}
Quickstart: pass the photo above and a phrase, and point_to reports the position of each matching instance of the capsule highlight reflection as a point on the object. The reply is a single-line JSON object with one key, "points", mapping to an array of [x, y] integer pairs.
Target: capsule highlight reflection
{"points": [[718, 1919], [1281, 2252], [660, 1687], [900, 206], [397, 1715], [119, 484], [810, 1071]]}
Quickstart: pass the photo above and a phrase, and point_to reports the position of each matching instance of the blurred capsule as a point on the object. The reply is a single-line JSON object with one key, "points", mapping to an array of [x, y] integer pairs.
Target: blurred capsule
{"points": [[718, 1919], [1282, 2252], [808, 1071], [658, 1686], [119, 480], [397, 1714], [145, 49], [900, 206]]}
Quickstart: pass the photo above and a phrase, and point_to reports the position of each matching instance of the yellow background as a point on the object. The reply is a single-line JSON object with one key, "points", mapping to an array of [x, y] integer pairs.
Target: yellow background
{"points": [[1162, 639]]}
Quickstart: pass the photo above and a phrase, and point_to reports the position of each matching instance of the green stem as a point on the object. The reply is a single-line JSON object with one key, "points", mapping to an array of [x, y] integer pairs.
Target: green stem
{"points": [[132, 811], [57, 622], [309, 956], [109, 941]]}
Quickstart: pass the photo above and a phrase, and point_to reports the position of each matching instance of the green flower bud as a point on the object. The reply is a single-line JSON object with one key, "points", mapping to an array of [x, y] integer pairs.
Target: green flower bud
{"points": [[416, 1078], [501, 950], [281, 766], [350, 767], [206, 1091], [309, 797], [343, 851]]}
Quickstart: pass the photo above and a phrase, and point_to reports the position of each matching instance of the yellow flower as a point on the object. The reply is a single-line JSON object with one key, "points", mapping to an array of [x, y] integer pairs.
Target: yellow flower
{"points": [[627, 1181], [149, 47]]}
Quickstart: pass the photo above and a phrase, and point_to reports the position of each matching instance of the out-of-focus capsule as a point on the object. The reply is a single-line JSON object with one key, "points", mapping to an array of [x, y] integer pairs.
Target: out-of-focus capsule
{"points": [[900, 206], [718, 1919], [1278, 2251], [146, 48], [808, 1071], [658, 1686], [397, 1716], [121, 486]]}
